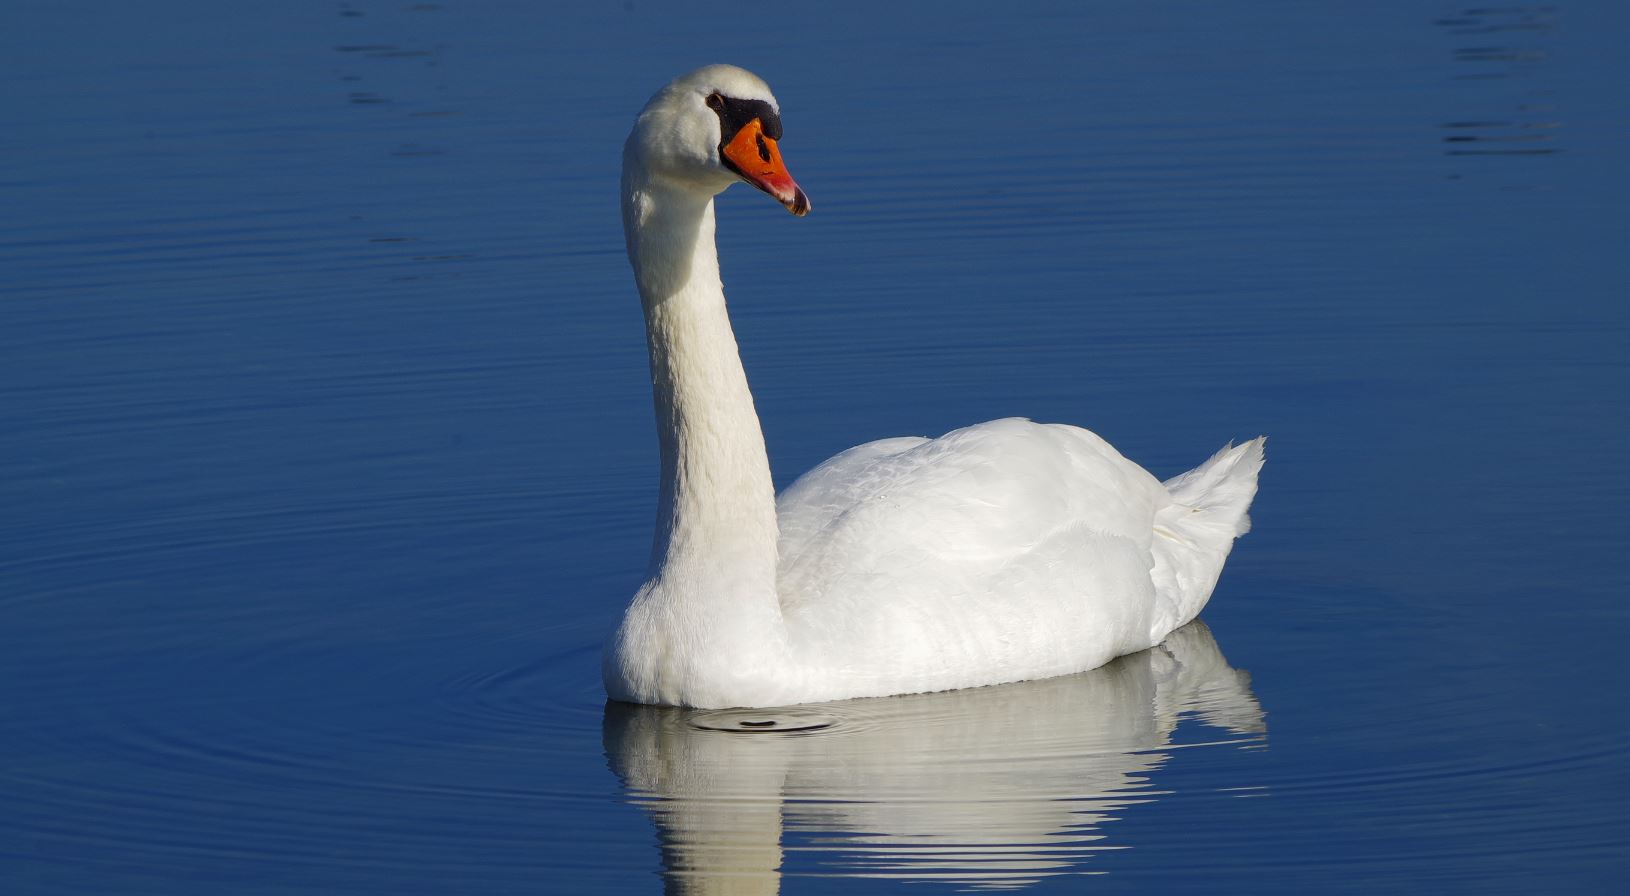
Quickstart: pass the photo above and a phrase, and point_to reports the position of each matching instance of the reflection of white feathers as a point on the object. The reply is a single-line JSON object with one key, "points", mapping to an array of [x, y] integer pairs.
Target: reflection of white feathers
{"points": [[997, 786], [1003, 551]]}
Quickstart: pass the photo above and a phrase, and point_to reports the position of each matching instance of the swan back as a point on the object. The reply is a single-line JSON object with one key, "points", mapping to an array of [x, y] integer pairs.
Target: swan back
{"points": [[997, 552]]}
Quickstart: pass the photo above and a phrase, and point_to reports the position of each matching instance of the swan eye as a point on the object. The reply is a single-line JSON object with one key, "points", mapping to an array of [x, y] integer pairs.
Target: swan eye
{"points": [[736, 114]]}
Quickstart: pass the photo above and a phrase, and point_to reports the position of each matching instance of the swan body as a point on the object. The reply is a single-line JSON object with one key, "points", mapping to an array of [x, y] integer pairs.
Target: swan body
{"points": [[1004, 551]]}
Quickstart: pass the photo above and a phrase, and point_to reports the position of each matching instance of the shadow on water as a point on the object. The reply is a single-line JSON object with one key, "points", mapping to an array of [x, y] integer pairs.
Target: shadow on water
{"points": [[994, 787]]}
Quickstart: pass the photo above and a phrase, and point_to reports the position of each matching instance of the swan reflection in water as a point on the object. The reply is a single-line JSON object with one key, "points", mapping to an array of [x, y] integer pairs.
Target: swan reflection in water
{"points": [[993, 787]]}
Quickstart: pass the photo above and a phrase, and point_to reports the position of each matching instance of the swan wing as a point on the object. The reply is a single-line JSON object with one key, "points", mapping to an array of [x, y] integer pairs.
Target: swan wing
{"points": [[821, 496], [999, 551]]}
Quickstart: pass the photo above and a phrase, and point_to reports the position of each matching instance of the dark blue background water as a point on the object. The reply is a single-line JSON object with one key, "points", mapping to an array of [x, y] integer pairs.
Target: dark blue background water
{"points": [[327, 457]]}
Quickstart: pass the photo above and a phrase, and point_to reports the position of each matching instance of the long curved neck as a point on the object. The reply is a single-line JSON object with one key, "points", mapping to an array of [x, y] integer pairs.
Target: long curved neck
{"points": [[716, 525]]}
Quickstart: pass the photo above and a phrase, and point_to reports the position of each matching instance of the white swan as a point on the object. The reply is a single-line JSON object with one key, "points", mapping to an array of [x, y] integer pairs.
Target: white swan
{"points": [[1004, 551]]}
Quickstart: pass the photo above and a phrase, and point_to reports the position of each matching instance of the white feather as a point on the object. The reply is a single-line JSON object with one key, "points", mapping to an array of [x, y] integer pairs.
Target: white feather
{"points": [[1003, 551]]}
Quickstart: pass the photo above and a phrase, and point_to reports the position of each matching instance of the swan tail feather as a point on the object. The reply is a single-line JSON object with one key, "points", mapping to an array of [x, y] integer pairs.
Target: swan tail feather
{"points": [[1196, 531], [1219, 491]]}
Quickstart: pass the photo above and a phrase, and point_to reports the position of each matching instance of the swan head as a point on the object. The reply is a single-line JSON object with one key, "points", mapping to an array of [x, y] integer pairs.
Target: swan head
{"points": [[711, 128]]}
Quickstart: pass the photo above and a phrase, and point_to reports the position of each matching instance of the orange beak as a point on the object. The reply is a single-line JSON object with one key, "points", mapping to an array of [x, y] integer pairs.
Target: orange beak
{"points": [[754, 155]]}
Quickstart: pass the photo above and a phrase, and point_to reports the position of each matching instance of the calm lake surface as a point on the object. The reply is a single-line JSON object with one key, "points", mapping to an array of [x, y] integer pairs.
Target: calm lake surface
{"points": [[328, 457]]}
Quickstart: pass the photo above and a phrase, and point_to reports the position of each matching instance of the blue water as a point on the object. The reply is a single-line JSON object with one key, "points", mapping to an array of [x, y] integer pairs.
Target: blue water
{"points": [[327, 458]]}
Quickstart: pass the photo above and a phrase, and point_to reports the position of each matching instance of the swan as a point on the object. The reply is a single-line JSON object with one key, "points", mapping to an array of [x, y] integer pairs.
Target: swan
{"points": [[1003, 551]]}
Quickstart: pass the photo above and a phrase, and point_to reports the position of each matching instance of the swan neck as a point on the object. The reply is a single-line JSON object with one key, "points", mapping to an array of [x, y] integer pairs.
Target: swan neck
{"points": [[717, 503]]}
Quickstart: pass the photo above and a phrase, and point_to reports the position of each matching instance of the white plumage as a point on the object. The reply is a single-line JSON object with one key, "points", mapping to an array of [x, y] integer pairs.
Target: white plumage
{"points": [[1003, 551]]}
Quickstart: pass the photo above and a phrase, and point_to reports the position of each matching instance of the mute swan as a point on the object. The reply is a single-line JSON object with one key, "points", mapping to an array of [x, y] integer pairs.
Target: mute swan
{"points": [[1004, 551]]}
